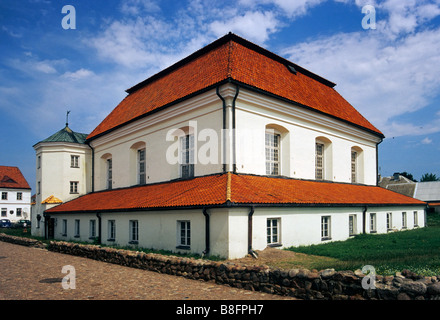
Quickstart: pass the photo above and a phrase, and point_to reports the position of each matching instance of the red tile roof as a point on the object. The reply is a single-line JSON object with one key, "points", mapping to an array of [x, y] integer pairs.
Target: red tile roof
{"points": [[234, 189], [234, 59], [12, 178]]}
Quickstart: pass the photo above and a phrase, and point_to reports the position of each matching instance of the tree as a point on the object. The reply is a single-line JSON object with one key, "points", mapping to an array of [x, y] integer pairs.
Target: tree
{"points": [[408, 175], [429, 177]]}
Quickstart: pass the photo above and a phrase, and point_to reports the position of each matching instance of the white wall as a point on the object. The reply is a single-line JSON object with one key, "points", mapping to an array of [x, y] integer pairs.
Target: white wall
{"points": [[255, 113], [203, 113], [12, 204]]}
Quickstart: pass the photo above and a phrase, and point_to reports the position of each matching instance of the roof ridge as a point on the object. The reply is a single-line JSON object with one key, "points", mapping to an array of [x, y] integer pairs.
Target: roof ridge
{"points": [[228, 187]]}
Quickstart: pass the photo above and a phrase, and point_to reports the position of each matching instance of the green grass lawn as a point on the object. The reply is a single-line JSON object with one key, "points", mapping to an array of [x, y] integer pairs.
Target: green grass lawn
{"points": [[417, 250]]}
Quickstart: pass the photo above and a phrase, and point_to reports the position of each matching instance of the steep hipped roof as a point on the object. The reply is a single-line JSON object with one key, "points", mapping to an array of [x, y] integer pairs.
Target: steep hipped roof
{"points": [[232, 59], [67, 135], [11, 177], [229, 189]]}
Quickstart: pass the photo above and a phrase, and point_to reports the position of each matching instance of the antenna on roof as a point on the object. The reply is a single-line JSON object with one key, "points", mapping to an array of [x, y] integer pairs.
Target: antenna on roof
{"points": [[67, 118]]}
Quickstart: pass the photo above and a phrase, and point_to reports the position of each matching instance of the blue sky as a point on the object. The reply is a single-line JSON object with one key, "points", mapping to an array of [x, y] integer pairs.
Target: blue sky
{"points": [[390, 74]]}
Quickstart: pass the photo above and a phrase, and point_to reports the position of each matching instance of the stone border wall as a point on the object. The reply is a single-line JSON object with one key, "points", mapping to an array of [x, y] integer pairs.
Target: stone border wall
{"points": [[300, 283]]}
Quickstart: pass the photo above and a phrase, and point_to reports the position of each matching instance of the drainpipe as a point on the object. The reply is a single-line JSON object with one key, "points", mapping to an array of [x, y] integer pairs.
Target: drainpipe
{"points": [[207, 232], [224, 127], [377, 162], [250, 224], [98, 215], [234, 159], [364, 219]]}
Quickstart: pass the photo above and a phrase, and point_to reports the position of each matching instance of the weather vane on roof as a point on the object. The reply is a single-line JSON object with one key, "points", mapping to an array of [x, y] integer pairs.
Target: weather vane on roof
{"points": [[67, 118]]}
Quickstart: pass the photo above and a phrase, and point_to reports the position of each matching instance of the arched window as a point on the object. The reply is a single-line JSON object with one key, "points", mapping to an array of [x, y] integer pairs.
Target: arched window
{"points": [[357, 165], [138, 162], [277, 150], [323, 159], [185, 147], [107, 172]]}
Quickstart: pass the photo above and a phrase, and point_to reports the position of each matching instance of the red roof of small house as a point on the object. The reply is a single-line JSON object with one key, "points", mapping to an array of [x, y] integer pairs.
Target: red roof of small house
{"points": [[234, 59], [229, 189], [12, 178]]}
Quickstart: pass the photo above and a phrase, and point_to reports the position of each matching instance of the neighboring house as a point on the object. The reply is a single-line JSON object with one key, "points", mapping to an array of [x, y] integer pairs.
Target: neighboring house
{"points": [[15, 195], [229, 150], [428, 191]]}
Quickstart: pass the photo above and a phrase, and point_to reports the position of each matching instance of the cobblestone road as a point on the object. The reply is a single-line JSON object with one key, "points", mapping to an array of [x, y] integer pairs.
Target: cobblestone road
{"points": [[36, 274]]}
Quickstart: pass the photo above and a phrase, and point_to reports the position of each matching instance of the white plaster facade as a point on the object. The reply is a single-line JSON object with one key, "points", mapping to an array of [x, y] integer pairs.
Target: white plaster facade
{"points": [[229, 124], [16, 206]]}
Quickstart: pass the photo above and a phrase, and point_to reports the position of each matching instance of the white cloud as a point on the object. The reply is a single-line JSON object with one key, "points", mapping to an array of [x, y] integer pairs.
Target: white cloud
{"points": [[426, 141], [79, 74], [255, 26]]}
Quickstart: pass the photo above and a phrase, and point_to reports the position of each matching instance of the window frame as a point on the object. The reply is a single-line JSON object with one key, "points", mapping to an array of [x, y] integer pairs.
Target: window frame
{"points": [[74, 161], [354, 166], [111, 230], [77, 230], [19, 196], [4, 195], [64, 227], [109, 163], [133, 232], [416, 218], [186, 168], [4, 212], [389, 221], [404, 220], [141, 166], [92, 228], [352, 225], [373, 222], [74, 186], [273, 150], [270, 234], [319, 157], [326, 228], [183, 234]]}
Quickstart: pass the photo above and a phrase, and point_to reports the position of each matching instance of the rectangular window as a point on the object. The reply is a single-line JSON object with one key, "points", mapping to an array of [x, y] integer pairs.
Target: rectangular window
{"points": [[184, 233], [187, 156], [372, 222], [73, 187], [109, 173], [389, 221], [19, 196], [76, 228], [39, 162], [134, 231], [272, 142], [416, 219], [38, 187], [273, 231], [4, 212], [325, 228], [4, 196], [74, 161], [111, 230], [352, 223], [19, 211], [141, 167], [92, 229], [353, 166], [404, 224], [64, 228], [319, 161]]}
